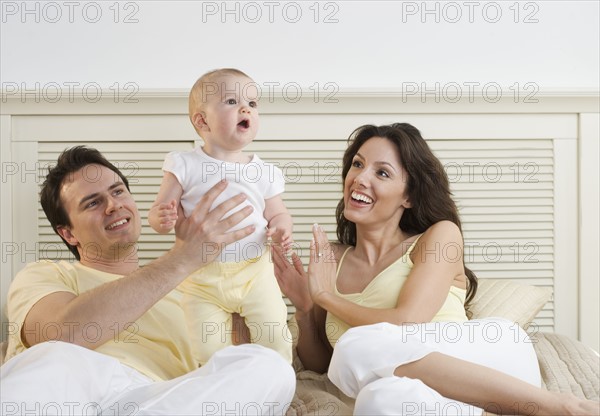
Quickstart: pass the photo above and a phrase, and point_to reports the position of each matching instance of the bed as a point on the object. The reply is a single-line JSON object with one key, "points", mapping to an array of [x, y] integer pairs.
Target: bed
{"points": [[566, 364]]}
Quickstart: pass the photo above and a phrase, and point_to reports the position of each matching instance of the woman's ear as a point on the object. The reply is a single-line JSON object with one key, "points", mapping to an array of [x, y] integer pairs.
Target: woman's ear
{"points": [[407, 204], [67, 235], [199, 121]]}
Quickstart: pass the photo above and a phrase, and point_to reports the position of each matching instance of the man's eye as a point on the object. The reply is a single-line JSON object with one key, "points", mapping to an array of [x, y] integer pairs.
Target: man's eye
{"points": [[92, 204]]}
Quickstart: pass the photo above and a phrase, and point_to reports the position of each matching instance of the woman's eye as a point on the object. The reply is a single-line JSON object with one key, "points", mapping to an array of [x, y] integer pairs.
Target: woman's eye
{"points": [[383, 173], [356, 164]]}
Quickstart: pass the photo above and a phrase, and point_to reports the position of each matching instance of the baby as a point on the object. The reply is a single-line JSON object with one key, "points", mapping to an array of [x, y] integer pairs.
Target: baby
{"points": [[223, 107]]}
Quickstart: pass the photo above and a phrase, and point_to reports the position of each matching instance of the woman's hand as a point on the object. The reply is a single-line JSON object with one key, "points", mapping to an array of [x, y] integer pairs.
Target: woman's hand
{"points": [[292, 279], [322, 267]]}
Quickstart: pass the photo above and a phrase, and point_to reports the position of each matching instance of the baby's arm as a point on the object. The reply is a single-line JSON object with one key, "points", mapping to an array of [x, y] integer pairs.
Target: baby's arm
{"points": [[163, 214], [279, 220]]}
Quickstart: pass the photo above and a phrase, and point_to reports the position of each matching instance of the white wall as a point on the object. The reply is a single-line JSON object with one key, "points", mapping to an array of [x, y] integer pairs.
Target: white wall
{"points": [[548, 46], [553, 44]]}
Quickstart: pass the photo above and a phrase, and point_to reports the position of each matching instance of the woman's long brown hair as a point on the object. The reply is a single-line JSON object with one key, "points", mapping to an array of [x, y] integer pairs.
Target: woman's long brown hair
{"points": [[427, 186]]}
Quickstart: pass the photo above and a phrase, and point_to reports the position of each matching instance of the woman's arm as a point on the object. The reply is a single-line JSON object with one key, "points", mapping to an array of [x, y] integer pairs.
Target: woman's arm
{"points": [[312, 347], [437, 260]]}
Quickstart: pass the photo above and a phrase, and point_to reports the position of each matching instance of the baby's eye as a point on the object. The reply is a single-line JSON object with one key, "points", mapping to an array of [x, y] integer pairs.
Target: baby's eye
{"points": [[253, 104], [231, 101]]}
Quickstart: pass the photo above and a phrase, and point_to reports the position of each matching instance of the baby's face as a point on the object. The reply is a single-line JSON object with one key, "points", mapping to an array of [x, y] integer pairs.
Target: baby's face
{"points": [[230, 112]]}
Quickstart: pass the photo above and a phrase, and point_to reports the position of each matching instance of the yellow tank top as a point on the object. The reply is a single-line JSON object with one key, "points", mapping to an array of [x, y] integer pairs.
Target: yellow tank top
{"points": [[383, 291]]}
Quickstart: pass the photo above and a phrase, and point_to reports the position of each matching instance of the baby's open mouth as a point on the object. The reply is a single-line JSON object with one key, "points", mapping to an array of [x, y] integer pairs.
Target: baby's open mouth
{"points": [[244, 123]]}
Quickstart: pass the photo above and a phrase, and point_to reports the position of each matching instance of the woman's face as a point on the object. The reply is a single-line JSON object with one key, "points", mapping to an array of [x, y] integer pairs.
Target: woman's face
{"points": [[374, 189]]}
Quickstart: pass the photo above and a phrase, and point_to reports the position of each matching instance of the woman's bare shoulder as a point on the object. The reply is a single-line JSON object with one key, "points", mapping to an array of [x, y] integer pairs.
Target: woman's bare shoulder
{"points": [[442, 231], [440, 237]]}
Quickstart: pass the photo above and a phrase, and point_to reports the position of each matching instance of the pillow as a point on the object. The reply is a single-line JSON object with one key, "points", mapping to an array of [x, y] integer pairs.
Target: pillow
{"points": [[505, 298]]}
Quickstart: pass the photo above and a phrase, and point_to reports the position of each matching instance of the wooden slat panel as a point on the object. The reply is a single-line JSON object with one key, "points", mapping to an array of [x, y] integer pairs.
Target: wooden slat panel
{"points": [[504, 190]]}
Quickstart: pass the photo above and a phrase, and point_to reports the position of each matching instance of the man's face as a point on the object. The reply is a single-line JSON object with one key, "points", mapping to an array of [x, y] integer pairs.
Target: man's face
{"points": [[105, 222]]}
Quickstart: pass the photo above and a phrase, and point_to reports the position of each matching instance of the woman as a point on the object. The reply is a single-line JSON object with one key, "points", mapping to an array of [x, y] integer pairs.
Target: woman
{"points": [[394, 308]]}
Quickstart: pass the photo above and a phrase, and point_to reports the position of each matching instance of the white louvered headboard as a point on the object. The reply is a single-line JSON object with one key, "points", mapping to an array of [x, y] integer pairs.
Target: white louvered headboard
{"points": [[514, 172]]}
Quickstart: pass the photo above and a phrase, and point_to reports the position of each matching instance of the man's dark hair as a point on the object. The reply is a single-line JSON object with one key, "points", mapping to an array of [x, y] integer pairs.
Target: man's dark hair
{"points": [[70, 161]]}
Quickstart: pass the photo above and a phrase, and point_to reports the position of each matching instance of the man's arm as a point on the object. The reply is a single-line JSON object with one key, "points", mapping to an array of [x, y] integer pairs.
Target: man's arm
{"points": [[199, 239]]}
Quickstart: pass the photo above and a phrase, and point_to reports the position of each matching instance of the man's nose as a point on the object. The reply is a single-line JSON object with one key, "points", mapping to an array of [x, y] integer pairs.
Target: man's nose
{"points": [[113, 204]]}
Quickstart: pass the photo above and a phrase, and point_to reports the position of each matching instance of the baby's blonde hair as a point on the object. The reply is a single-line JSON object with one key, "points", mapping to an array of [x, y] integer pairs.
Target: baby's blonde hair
{"points": [[197, 98]]}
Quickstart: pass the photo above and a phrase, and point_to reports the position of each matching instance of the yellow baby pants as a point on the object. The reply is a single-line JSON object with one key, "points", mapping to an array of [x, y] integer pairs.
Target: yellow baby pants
{"points": [[249, 287]]}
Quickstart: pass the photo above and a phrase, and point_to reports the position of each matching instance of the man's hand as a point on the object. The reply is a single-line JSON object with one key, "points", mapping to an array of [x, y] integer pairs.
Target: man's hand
{"points": [[201, 237]]}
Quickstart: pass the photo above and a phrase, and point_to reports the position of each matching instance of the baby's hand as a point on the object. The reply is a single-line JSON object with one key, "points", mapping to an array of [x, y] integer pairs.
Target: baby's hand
{"points": [[167, 215], [281, 236]]}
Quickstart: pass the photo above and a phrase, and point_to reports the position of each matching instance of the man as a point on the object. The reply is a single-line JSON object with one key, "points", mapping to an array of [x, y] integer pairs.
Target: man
{"points": [[105, 335]]}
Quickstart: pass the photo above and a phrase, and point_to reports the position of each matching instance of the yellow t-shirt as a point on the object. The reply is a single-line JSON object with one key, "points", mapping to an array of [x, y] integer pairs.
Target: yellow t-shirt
{"points": [[383, 291], [156, 344]]}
